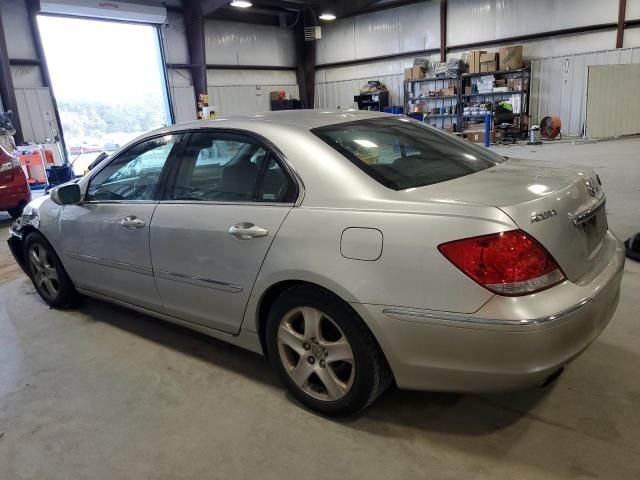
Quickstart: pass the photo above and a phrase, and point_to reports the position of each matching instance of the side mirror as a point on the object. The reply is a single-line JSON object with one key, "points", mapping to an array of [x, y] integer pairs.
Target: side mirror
{"points": [[68, 194]]}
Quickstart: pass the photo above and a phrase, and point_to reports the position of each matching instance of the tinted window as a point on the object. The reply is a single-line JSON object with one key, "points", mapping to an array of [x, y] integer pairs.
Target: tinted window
{"points": [[401, 153], [228, 168], [135, 173]]}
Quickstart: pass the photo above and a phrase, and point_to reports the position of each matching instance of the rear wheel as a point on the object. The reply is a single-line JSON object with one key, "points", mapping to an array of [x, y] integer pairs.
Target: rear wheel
{"points": [[324, 353], [47, 273]]}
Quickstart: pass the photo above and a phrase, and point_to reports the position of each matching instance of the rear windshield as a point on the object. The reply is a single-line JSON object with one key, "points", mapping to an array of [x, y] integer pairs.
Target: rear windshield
{"points": [[401, 153]]}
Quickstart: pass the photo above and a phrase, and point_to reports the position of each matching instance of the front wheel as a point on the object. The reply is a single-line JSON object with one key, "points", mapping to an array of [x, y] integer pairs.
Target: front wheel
{"points": [[47, 273], [324, 353]]}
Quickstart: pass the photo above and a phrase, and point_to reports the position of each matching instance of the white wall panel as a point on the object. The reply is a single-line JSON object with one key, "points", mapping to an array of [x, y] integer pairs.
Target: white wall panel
{"points": [[559, 85], [632, 37], [335, 87], [184, 106], [17, 31], [243, 99], [26, 76], [388, 32], [174, 39], [232, 43], [470, 21], [250, 77], [236, 92], [179, 77], [337, 43], [633, 10], [32, 103], [419, 26]]}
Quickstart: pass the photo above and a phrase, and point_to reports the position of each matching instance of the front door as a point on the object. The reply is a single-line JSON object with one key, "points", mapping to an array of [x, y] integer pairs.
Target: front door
{"points": [[107, 236], [211, 233]]}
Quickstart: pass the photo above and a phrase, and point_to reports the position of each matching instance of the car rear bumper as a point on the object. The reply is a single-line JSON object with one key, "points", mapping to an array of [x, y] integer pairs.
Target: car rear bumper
{"points": [[510, 343], [14, 192]]}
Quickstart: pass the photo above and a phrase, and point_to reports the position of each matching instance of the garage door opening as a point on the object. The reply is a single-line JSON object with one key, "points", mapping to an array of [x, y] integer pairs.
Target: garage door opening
{"points": [[108, 80]]}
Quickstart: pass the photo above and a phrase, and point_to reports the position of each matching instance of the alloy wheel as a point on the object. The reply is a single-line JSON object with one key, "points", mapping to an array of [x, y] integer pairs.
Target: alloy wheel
{"points": [[45, 275], [316, 353]]}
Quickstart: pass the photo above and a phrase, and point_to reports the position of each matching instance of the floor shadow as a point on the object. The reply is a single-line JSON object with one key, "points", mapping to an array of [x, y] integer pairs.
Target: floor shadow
{"points": [[181, 339], [443, 412]]}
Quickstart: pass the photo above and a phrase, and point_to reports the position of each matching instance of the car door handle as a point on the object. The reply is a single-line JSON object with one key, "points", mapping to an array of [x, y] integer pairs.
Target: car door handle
{"points": [[131, 222], [246, 231]]}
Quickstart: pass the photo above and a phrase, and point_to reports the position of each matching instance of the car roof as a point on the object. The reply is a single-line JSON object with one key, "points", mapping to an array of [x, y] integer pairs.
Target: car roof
{"points": [[307, 119]]}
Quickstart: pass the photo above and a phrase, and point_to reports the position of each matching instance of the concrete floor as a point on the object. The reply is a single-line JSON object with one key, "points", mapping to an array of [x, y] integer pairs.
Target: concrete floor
{"points": [[104, 393]]}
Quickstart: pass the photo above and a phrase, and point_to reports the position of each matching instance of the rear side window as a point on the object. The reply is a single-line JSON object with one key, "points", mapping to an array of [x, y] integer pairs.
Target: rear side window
{"points": [[229, 167], [401, 153]]}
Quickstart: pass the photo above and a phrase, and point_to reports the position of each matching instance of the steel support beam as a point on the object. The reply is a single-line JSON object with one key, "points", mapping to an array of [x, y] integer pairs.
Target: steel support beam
{"points": [[443, 30], [7, 91], [33, 7], [194, 26], [622, 9], [306, 64]]}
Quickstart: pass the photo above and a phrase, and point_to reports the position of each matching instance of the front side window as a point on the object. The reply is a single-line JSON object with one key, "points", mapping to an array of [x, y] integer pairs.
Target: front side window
{"points": [[135, 173], [400, 153], [227, 167]]}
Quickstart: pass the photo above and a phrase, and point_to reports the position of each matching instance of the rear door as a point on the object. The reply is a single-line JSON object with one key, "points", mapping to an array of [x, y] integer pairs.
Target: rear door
{"points": [[228, 197], [107, 236]]}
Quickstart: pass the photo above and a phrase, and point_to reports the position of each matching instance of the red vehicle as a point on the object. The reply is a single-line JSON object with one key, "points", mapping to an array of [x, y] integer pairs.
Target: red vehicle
{"points": [[14, 188]]}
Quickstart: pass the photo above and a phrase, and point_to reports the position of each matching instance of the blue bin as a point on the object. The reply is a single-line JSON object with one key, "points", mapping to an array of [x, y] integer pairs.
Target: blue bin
{"points": [[396, 110]]}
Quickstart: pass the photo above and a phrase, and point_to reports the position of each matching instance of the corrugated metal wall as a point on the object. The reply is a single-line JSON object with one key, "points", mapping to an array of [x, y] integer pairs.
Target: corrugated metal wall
{"points": [[559, 85], [236, 92], [33, 103]]}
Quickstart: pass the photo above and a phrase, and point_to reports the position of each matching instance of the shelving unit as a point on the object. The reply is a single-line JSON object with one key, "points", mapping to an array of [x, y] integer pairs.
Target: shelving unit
{"points": [[459, 100], [372, 101], [524, 74], [412, 90]]}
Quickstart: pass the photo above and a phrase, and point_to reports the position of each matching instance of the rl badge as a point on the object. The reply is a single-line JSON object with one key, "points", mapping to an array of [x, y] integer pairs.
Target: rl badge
{"points": [[538, 217]]}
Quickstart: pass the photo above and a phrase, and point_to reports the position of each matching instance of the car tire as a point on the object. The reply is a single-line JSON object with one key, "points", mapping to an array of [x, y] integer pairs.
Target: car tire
{"points": [[314, 363], [17, 211], [49, 277]]}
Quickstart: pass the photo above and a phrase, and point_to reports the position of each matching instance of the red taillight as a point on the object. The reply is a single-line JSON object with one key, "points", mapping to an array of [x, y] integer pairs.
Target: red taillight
{"points": [[507, 263]]}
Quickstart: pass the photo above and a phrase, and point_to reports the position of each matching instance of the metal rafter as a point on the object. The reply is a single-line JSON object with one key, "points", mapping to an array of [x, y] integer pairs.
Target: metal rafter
{"points": [[622, 8]]}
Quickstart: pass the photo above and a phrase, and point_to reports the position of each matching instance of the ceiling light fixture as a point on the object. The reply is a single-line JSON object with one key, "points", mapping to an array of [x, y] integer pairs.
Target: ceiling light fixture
{"points": [[327, 16], [240, 4]]}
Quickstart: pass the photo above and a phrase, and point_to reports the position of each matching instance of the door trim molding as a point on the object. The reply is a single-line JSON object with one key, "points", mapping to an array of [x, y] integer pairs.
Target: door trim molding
{"points": [[198, 281], [111, 263]]}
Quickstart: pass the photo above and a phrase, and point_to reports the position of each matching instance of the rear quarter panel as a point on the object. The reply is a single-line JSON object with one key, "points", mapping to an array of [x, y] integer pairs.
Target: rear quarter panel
{"points": [[410, 272]]}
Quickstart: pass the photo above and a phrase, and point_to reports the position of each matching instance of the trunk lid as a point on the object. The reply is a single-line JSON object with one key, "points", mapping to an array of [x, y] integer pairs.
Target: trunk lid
{"points": [[561, 207]]}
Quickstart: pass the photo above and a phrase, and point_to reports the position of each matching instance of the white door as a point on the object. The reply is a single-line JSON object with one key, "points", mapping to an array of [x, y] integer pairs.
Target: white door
{"points": [[210, 235]]}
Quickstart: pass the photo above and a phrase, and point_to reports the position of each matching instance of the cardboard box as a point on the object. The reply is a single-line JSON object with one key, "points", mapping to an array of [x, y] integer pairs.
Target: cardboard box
{"points": [[474, 60], [468, 90], [511, 58], [476, 136], [448, 91], [486, 67], [413, 73], [488, 57]]}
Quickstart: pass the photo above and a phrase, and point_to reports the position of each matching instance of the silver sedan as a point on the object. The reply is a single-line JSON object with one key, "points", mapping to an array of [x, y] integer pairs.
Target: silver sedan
{"points": [[354, 249]]}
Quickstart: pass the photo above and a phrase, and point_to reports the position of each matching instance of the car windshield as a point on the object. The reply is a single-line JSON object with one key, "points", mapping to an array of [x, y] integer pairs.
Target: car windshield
{"points": [[401, 153]]}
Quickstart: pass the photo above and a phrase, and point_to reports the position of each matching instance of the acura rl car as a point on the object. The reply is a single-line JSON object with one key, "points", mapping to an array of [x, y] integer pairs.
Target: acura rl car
{"points": [[354, 249]]}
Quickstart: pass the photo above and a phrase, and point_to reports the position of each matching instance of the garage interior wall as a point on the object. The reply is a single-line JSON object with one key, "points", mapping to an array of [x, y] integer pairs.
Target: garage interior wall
{"points": [[33, 97], [240, 91], [474, 21]]}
